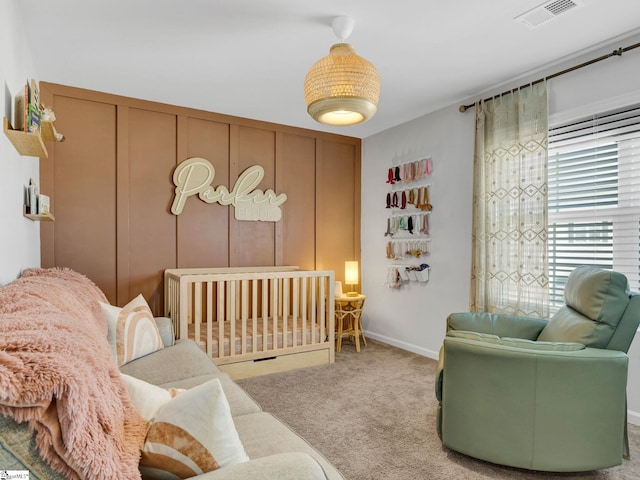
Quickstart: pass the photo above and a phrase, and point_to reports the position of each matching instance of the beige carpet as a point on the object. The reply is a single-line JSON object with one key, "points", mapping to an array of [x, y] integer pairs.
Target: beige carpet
{"points": [[373, 415]]}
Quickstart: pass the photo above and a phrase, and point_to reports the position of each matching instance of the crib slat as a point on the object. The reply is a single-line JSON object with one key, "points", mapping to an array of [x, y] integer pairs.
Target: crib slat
{"points": [[304, 310], [245, 306], [313, 309], [295, 306], [322, 299], [265, 314], [173, 306], [197, 311], [233, 284], [275, 309], [285, 312], [184, 307], [209, 293], [254, 315], [221, 308]]}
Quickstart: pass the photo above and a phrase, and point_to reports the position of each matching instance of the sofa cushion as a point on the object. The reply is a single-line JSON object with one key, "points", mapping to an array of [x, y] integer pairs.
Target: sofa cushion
{"points": [[185, 365], [239, 401], [178, 362], [192, 433], [282, 466], [263, 435], [132, 332]]}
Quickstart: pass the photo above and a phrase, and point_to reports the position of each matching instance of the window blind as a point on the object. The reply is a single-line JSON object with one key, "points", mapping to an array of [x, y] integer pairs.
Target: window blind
{"points": [[594, 197]]}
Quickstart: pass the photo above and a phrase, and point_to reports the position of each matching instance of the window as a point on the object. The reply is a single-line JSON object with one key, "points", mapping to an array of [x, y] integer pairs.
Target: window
{"points": [[594, 197]]}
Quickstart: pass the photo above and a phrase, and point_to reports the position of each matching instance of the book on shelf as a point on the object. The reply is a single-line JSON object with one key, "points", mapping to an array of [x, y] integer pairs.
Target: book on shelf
{"points": [[34, 97], [34, 107], [32, 197], [34, 118], [21, 109], [27, 113]]}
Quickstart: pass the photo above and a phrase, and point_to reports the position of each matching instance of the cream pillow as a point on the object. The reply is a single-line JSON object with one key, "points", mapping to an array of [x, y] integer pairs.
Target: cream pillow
{"points": [[132, 330], [192, 433], [146, 397]]}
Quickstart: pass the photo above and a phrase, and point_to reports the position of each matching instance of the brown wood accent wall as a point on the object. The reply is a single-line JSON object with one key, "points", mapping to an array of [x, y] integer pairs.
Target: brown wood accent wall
{"points": [[111, 191]]}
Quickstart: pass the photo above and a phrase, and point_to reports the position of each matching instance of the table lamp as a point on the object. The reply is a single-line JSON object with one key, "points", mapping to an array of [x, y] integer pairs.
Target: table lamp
{"points": [[351, 276]]}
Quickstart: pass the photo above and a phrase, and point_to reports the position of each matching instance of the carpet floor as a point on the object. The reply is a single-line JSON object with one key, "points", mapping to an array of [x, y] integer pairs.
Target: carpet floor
{"points": [[373, 415]]}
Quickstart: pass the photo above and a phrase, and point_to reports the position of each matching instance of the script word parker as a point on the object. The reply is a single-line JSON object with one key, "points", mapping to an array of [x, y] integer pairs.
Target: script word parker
{"points": [[194, 176]]}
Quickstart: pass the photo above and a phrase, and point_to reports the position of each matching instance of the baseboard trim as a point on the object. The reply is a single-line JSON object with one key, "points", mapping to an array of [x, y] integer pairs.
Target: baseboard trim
{"points": [[632, 417], [403, 345]]}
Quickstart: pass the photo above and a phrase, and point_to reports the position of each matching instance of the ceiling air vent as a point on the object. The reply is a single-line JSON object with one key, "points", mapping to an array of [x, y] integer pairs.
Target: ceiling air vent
{"points": [[547, 11]]}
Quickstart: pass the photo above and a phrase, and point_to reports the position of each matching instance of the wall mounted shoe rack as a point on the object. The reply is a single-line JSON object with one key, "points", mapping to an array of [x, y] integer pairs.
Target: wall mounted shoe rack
{"points": [[408, 221]]}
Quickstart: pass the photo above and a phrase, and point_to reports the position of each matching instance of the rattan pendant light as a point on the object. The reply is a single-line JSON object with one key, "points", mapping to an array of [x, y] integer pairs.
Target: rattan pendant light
{"points": [[342, 88]]}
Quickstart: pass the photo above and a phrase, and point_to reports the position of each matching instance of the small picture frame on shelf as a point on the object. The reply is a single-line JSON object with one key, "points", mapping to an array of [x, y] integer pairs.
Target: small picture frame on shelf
{"points": [[43, 204]]}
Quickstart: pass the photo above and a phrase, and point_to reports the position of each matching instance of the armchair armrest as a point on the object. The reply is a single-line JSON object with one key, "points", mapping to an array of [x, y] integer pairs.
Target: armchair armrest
{"points": [[535, 409], [497, 324]]}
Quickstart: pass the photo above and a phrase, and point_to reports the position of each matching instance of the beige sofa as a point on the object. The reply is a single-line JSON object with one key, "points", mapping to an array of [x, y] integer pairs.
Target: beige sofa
{"points": [[274, 450]]}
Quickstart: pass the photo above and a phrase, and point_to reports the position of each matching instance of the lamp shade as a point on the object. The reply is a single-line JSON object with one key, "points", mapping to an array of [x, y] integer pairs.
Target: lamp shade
{"points": [[351, 272], [342, 88]]}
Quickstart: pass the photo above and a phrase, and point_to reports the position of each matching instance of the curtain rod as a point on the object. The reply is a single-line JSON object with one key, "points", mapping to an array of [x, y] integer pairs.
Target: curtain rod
{"points": [[615, 53]]}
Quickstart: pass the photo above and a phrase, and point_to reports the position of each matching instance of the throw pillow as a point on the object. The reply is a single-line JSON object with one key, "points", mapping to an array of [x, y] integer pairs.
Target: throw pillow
{"points": [[147, 397], [132, 330], [190, 434]]}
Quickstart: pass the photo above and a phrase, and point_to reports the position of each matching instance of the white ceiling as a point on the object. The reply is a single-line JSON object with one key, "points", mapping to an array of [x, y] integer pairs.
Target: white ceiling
{"points": [[249, 57]]}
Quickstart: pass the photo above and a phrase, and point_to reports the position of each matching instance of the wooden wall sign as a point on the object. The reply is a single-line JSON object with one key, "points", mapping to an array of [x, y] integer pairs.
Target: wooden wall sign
{"points": [[194, 176]]}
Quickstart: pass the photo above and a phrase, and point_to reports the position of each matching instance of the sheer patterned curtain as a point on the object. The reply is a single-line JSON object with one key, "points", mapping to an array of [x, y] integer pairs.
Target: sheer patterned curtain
{"points": [[509, 264]]}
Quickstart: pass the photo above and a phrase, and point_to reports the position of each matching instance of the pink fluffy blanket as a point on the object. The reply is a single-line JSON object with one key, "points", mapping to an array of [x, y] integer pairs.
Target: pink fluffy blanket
{"points": [[57, 373]]}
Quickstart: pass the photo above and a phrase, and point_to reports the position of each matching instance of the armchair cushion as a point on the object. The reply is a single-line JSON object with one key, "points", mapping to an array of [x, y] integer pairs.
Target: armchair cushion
{"points": [[517, 342], [479, 337], [600, 295], [595, 302], [496, 324], [546, 346]]}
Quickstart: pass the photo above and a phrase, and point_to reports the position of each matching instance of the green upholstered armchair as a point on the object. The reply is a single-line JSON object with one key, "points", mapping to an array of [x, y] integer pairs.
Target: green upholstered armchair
{"points": [[538, 394]]}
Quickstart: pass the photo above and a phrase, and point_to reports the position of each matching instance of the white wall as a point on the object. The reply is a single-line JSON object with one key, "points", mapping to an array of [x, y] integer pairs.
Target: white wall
{"points": [[413, 317], [19, 237]]}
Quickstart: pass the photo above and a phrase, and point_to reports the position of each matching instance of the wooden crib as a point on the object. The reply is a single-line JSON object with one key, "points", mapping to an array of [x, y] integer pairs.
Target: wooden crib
{"points": [[254, 320]]}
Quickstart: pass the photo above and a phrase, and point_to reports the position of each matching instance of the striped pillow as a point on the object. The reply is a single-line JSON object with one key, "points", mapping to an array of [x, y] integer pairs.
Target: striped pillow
{"points": [[132, 331], [191, 434]]}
